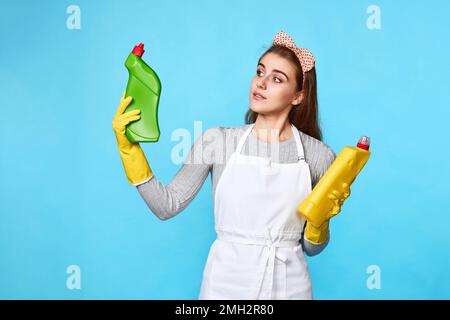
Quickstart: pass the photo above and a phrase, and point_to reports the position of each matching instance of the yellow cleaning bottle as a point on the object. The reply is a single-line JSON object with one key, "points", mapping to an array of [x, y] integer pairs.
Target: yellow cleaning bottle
{"points": [[333, 188]]}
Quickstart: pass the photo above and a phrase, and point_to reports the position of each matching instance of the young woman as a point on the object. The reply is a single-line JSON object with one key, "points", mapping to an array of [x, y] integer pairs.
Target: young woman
{"points": [[259, 250]]}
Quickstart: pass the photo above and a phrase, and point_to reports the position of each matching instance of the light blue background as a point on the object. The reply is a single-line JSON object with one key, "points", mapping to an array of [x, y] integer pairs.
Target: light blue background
{"points": [[65, 199]]}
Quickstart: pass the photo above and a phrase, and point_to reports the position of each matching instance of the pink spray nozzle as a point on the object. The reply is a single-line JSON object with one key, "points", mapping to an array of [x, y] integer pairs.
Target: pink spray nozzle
{"points": [[364, 143], [138, 50]]}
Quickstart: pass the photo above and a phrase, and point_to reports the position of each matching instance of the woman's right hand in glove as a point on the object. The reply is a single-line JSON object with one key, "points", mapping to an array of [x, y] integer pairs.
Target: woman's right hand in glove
{"points": [[317, 226], [133, 158]]}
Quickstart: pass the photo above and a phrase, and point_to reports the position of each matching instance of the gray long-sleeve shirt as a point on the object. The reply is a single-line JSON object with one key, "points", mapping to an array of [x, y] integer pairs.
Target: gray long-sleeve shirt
{"points": [[211, 152]]}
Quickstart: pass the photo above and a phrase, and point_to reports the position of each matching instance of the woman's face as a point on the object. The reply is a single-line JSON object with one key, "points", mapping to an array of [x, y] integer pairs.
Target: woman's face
{"points": [[275, 81]]}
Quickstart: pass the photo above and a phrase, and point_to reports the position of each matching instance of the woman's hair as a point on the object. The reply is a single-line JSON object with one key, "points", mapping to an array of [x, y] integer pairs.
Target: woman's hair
{"points": [[305, 115]]}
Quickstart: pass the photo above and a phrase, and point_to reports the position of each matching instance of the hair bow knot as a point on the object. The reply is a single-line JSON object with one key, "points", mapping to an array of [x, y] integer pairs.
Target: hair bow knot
{"points": [[305, 57]]}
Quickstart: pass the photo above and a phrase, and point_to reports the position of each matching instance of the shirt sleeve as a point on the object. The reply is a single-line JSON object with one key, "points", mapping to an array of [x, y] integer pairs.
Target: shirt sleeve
{"points": [[312, 249], [166, 201]]}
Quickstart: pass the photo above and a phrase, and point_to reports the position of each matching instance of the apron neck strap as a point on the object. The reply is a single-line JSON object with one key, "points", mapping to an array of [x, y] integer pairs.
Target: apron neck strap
{"points": [[300, 151], [298, 142]]}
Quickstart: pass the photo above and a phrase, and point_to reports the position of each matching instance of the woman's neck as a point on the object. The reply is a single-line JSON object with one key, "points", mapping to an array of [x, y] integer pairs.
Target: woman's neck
{"points": [[272, 130]]}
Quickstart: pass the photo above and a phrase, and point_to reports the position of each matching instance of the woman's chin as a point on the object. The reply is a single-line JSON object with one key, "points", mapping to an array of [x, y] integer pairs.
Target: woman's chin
{"points": [[257, 108]]}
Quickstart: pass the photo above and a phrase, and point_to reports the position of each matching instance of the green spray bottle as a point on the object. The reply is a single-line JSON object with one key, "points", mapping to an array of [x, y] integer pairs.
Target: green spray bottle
{"points": [[145, 88]]}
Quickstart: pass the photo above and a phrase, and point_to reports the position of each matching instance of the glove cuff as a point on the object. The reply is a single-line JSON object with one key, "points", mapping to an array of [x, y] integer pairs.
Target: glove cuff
{"points": [[142, 182], [135, 164], [317, 235]]}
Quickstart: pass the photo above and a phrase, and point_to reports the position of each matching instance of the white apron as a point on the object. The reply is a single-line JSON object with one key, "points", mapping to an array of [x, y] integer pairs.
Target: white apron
{"points": [[257, 253]]}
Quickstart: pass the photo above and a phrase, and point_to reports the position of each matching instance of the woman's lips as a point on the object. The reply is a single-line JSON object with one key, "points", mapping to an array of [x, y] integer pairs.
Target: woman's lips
{"points": [[258, 97]]}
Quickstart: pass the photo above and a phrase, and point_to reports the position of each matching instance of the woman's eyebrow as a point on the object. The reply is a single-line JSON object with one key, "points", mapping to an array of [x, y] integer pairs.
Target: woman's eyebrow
{"points": [[276, 70]]}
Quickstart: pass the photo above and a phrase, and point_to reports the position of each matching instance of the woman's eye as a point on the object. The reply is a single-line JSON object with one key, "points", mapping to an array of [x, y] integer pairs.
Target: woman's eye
{"points": [[279, 80]]}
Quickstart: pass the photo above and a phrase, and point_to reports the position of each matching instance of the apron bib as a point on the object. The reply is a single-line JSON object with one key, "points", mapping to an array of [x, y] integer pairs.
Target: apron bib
{"points": [[257, 253]]}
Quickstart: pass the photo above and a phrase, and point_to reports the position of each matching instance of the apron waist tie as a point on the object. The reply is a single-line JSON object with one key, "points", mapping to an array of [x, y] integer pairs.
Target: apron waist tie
{"points": [[268, 262]]}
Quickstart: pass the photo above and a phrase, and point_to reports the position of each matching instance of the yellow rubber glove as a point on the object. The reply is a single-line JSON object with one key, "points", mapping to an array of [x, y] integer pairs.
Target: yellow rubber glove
{"points": [[316, 230], [133, 158], [317, 235]]}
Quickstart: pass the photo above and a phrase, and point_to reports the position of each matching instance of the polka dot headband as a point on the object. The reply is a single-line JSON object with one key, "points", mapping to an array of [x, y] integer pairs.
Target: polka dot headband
{"points": [[305, 57]]}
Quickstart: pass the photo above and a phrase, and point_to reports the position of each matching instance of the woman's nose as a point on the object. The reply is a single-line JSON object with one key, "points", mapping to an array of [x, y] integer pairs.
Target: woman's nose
{"points": [[261, 83]]}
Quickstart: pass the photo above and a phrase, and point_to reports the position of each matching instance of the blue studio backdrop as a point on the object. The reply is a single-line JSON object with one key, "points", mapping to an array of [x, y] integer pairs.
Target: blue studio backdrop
{"points": [[73, 228]]}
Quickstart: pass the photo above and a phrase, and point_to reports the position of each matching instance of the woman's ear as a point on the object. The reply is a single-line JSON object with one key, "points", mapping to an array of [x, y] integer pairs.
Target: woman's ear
{"points": [[298, 99]]}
